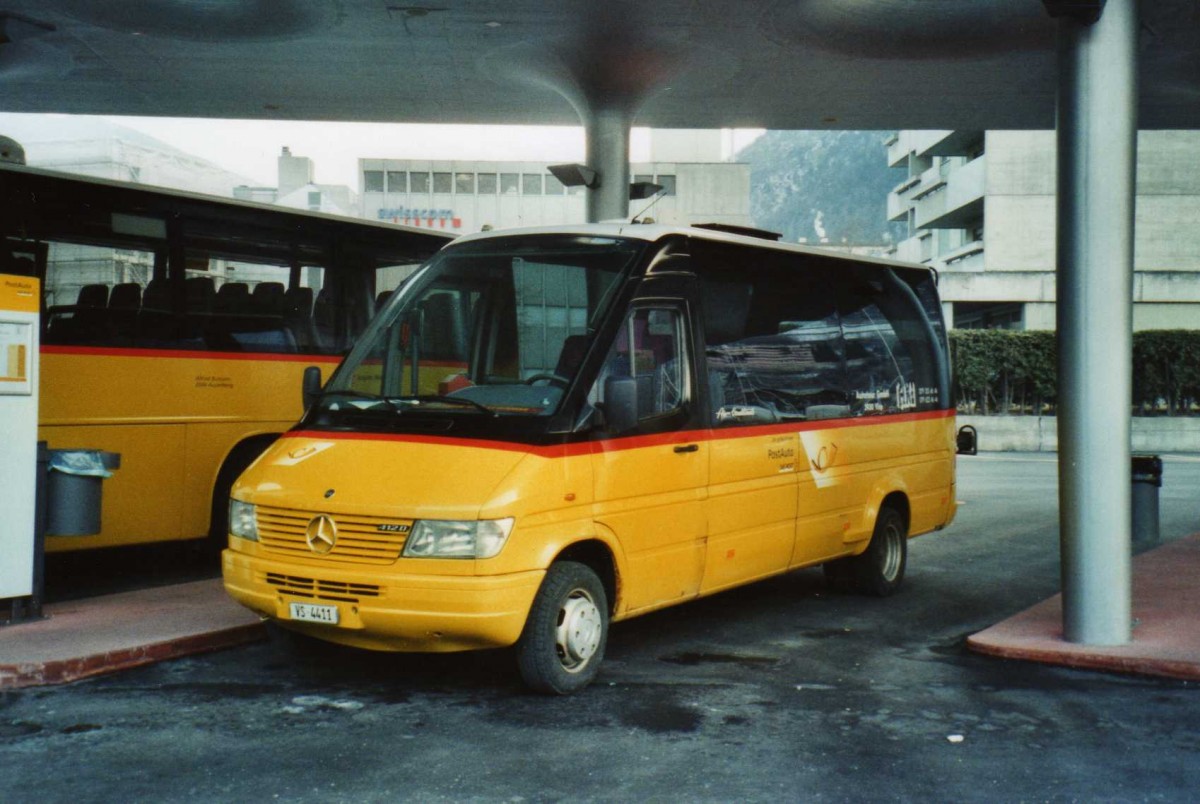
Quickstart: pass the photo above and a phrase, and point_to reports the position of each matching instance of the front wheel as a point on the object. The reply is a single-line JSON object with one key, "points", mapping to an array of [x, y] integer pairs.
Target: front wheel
{"points": [[563, 642], [879, 570]]}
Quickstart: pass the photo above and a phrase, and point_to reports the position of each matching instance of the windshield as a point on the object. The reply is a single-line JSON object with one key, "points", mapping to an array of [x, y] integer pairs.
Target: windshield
{"points": [[497, 327]]}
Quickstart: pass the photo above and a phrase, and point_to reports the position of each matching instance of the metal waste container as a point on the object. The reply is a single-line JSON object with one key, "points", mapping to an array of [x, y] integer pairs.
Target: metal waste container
{"points": [[74, 490], [1147, 480]]}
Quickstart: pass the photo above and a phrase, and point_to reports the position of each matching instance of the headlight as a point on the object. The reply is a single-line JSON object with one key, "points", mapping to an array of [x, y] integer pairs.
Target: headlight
{"points": [[443, 538], [243, 522]]}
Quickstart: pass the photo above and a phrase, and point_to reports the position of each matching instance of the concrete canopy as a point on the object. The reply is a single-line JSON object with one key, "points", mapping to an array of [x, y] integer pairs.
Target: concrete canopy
{"points": [[790, 64]]}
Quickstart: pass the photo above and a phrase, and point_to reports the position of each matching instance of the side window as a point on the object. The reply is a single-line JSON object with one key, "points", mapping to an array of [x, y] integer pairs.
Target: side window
{"points": [[773, 346], [94, 294], [879, 362], [645, 383]]}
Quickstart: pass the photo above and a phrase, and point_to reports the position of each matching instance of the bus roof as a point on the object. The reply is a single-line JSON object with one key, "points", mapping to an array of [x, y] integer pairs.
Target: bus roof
{"points": [[652, 232], [14, 174]]}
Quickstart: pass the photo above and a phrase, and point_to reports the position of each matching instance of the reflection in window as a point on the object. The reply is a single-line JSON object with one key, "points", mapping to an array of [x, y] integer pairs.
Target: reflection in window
{"points": [[531, 183], [645, 371], [397, 181], [442, 182], [372, 181], [510, 183], [553, 185], [464, 183], [487, 183], [419, 182], [668, 184]]}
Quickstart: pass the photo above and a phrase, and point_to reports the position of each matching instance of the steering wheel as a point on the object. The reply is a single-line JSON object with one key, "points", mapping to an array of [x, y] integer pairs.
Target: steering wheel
{"points": [[550, 379]]}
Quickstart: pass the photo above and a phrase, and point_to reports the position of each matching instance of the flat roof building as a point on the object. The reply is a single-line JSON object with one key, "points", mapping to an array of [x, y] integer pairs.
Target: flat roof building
{"points": [[980, 207], [469, 196]]}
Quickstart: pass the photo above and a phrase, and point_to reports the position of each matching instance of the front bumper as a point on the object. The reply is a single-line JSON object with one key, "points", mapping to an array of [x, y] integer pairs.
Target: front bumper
{"points": [[380, 610]]}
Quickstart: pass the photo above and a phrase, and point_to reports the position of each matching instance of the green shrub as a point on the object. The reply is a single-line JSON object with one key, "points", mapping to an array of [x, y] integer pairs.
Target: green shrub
{"points": [[1010, 371]]}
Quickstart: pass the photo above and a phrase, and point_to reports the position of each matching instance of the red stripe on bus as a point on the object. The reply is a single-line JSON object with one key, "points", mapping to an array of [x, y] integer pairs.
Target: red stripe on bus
{"points": [[631, 442], [116, 351]]}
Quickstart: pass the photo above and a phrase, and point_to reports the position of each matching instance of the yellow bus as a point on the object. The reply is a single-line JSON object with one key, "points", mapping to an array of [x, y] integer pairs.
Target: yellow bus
{"points": [[176, 327], [643, 415]]}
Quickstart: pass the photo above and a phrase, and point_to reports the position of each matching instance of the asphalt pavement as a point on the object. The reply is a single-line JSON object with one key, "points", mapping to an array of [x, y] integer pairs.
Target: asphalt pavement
{"points": [[780, 690]]}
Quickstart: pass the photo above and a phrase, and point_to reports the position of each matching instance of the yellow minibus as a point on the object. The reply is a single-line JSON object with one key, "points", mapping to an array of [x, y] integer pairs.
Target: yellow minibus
{"points": [[643, 415], [176, 327]]}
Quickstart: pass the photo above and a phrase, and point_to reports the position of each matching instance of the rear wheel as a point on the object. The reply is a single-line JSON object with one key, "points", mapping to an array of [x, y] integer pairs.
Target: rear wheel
{"points": [[879, 570], [563, 642]]}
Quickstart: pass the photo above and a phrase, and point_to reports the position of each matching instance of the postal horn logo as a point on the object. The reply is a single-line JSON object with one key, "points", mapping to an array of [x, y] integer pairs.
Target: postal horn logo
{"points": [[321, 534]]}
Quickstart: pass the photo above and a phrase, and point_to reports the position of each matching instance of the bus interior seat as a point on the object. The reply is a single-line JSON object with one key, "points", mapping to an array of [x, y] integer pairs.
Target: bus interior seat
{"points": [[199, 292], [124, 302], [297, 314], [323, 318], [95, 296], [232, 297], [156, 322], [267, 298]]}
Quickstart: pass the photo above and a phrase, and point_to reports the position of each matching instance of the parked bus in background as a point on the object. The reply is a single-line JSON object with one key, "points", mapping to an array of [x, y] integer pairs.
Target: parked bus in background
{"points": [[175, 328], [643, 415]]}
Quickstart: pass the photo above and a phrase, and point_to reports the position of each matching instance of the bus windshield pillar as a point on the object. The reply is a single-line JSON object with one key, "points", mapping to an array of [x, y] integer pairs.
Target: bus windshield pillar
{"points": [[1097, 146], [607, 132]]}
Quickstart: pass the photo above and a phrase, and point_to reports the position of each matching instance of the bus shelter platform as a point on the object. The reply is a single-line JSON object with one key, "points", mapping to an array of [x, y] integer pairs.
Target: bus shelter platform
{"points": [[78, 639], [1166, 623]]}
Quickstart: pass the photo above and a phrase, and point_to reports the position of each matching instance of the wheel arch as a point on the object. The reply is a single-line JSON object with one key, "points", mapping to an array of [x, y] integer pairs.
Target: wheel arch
{"points": [[239, 456], [598, 557]]}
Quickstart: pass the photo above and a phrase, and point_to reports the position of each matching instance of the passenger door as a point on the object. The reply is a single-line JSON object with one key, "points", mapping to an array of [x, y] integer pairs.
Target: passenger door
{"points": [[650, 468]]}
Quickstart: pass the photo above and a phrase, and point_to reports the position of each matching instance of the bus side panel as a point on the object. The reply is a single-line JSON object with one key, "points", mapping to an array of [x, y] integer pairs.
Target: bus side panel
{"points": [[173, 417], [652, 498], [751, 509], [872, 460], [142, 500]]}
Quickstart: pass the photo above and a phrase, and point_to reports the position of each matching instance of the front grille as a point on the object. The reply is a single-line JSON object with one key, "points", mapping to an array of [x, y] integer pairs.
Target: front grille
{"points": [[317, 589], [360, 539]]}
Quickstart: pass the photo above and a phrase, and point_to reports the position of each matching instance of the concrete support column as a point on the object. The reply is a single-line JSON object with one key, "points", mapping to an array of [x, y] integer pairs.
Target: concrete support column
{"points": [[607, 133], [1097, 146]]}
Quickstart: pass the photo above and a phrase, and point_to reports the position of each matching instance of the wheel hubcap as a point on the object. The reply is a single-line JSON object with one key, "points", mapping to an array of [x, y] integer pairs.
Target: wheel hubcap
{"points": [[891, 555], [578, 633]]}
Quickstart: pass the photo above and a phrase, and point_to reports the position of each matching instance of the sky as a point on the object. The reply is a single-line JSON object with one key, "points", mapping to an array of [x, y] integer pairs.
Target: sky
{"points": [[250, 147]]}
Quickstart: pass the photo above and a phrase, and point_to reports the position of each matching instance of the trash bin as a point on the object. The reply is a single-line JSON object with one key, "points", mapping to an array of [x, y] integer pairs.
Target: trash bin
{"points": [[74, 488], [1147, 480]]}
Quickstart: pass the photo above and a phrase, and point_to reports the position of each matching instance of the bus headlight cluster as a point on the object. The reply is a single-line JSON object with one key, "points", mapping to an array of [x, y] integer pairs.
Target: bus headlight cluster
{"points": [[243, 521], [446, 538]]}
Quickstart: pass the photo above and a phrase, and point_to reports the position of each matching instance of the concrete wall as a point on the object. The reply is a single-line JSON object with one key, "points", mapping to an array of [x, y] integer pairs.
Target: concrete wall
{"points": [[1174, 434]]}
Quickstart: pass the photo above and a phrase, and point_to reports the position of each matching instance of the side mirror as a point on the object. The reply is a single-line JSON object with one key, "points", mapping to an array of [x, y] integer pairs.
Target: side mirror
{"points": [[967, 440], [310, 388], [621, 403]]}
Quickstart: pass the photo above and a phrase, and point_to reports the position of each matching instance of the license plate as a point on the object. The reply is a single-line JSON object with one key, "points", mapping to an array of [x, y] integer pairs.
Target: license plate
{"points": [[312, 613]]}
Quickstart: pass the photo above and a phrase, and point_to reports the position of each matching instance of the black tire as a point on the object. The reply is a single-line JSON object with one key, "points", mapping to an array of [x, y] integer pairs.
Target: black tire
{"points": [[563, 642], [879, 570]]}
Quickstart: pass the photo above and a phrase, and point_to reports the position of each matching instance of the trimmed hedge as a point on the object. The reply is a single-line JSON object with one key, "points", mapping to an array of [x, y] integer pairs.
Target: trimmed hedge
{"points": [[1010, 371]]}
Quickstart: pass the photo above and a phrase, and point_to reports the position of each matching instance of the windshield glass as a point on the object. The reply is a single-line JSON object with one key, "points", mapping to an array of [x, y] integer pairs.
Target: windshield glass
{"points": [[498, 327]]}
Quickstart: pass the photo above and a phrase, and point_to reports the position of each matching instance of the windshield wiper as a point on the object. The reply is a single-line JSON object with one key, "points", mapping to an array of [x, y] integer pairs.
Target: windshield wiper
{"points": [[450, 400], [355, 394]]}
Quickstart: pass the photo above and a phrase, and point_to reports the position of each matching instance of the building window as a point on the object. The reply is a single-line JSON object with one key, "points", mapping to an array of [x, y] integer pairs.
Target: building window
{"points": [[989, 315], [442, 182], [397, 181], [372, 181], [314, 200], [464, 183], [487, 184], [553, 185], [418, 182], [510, 183], [643, 177], [531, 184], [668, 184]]}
